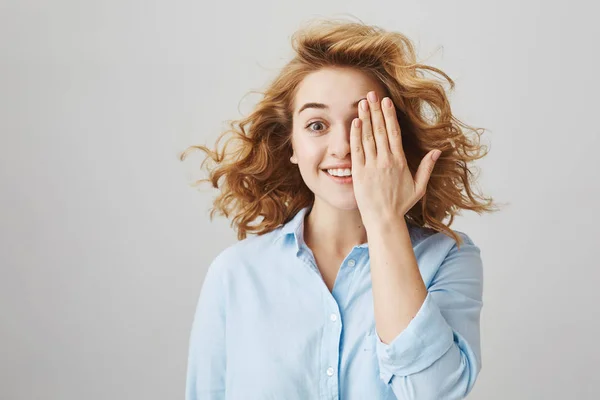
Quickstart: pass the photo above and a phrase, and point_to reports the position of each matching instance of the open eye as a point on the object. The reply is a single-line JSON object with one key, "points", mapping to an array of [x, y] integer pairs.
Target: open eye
{"points": [[315, 123]]}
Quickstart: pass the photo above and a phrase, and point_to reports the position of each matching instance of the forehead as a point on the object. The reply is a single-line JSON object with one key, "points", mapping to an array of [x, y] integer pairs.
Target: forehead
{"points": [[336, 87]]}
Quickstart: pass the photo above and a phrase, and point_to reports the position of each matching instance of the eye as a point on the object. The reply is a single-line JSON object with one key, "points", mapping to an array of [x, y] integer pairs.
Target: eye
{"points": [[313, 123]]}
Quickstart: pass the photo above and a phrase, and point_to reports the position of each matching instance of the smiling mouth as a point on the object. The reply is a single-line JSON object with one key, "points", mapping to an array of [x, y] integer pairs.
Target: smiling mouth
{"points": [[339, 172], [339, 179]]}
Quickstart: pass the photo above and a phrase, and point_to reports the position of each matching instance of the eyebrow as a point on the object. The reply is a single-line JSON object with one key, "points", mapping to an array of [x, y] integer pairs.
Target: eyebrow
{"points": [[325, 106]]}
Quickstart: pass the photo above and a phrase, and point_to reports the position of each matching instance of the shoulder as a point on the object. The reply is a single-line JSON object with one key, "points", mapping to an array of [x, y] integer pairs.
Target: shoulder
{"points": [[427, 239], [245, 251], [439, 254]]}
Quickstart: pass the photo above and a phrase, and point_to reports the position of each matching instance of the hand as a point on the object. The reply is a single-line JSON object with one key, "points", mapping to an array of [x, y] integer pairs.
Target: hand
{"points": [[383, 185]]}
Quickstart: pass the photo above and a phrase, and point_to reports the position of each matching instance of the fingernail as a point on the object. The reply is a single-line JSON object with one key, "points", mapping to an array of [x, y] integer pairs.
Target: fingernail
{"points": [[372, 96], [364, 105], [436, 154]]}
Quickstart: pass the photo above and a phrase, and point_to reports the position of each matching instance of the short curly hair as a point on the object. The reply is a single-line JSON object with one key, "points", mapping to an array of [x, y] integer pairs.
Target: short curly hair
{"points": [[256, 178]]}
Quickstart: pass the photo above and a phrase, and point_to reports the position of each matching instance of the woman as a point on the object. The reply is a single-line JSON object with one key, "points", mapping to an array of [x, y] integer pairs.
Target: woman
{"points": [[353, 287]]}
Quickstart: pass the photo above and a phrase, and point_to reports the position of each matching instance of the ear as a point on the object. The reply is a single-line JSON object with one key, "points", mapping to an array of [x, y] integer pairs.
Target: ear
{"points": [[293, 158]]}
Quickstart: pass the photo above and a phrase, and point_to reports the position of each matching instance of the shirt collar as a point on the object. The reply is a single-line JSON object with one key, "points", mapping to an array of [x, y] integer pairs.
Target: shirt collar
{"points": [[295, 226]]}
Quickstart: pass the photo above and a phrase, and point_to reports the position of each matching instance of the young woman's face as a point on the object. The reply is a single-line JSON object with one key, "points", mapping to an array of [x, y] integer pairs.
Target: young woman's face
{"points": [[321, 134]]}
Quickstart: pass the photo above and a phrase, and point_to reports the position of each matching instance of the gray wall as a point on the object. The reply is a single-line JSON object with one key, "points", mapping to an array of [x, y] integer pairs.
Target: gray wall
{"points": [[104, 246]]}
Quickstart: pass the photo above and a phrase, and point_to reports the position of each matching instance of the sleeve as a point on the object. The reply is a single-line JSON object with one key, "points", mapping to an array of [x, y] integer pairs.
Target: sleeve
{"points": [[438, 355], [206, 358]]}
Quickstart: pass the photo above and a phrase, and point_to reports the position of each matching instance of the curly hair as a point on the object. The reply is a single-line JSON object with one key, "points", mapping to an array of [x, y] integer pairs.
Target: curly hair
{"points": [[256, 178]]}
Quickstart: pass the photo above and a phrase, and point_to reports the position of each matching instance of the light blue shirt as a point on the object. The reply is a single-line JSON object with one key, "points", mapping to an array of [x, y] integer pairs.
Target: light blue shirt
{"points": [[267, 327]]}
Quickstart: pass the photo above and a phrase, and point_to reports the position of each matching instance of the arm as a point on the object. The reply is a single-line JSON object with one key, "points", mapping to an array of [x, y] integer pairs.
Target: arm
{"points": [[427, 350], [206, 358]]}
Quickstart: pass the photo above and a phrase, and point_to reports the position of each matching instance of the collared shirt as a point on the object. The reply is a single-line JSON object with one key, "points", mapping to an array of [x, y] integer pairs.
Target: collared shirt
{"points": [[267, 327]]}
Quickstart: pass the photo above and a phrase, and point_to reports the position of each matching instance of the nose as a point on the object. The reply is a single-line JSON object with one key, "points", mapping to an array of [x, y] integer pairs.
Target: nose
{"points": [[339, 144]]}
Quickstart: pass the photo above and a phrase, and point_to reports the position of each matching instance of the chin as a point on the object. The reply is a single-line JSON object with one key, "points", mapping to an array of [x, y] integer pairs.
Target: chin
{"points": [[341, 203]]}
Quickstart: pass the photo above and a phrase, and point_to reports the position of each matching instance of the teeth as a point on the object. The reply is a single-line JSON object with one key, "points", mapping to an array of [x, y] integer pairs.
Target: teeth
{"points": [[340, 172]]}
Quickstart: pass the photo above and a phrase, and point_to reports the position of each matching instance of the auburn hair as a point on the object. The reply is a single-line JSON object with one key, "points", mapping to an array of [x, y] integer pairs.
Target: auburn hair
{"points": [[260, 189]]}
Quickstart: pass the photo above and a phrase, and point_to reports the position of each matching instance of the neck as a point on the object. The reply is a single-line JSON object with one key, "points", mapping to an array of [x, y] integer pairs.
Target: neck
{"points": [[335, 230]]}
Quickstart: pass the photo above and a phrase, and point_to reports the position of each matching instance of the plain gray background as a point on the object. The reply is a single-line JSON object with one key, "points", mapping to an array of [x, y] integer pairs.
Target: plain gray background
{"points": [[104, 243]]}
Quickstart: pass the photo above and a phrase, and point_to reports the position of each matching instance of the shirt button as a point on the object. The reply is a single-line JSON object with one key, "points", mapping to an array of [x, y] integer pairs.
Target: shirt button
{"points": [[351, 263], [333, 317], [330, 371]]}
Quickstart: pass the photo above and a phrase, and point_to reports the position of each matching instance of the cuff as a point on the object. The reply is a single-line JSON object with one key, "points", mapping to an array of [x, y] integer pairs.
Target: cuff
{"points": [[425, 340]]}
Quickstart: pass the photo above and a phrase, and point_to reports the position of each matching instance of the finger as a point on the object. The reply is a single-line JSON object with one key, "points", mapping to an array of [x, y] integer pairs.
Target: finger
{"points": [[393, 127], [368, 141], [379, 126], [424, 172], [356, 147]]}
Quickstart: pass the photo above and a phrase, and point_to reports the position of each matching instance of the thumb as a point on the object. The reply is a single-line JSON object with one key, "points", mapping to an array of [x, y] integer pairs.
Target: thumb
{"points": [[425, 169]]}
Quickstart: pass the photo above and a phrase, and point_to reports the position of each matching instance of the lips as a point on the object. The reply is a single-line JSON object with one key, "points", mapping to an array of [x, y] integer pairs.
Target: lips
{"points": [[339, 179]]}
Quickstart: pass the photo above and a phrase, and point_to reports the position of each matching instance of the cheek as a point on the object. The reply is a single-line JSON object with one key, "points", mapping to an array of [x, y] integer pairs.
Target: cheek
{"points": [[309, 153]]}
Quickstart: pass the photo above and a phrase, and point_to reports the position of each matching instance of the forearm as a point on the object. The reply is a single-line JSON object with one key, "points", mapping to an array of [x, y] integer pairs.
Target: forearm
{"points": [[398, 289]]}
